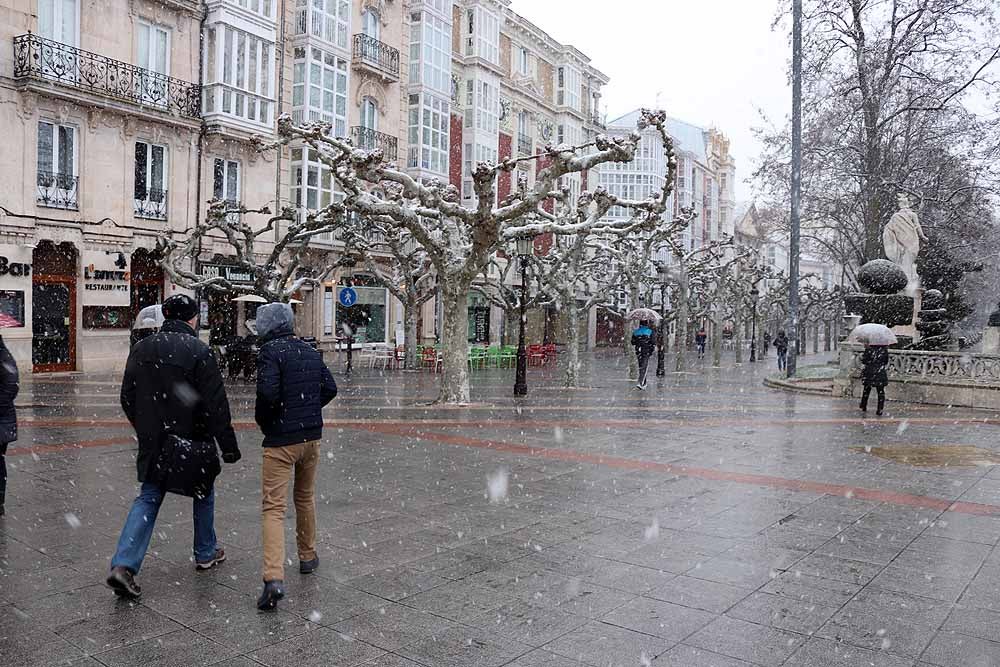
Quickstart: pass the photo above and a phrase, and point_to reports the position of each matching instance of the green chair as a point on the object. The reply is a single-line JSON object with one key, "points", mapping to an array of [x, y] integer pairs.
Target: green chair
{"points": [[508, 356], [477, 357], [493, 356]]}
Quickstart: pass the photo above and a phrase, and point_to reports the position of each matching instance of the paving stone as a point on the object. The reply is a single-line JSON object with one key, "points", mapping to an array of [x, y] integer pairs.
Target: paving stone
{"points": [[528, 623], [683, 655], [950, 648], [464, 647], [700, 594], [660, 619], [817, 652], [183, 647], [321, 648], [98, 633], [753, 643], [782, 612], [605, 645], [246, 632], [392, 626]]}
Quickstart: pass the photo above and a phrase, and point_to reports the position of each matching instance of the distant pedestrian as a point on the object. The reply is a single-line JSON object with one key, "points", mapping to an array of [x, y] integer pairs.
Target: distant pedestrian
{"points": [[293, 385], [8, 414], [644, 343], [172, 392], [875, 361], [781, 347], [767, 342], [700, 339]]}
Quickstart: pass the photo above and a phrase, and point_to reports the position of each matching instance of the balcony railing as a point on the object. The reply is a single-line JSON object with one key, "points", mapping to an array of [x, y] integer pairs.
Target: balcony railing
{"points": [[524, 144], [382, 58], [39, 58], [152, 206], [598, 120], [369, 140], [57, 190]]}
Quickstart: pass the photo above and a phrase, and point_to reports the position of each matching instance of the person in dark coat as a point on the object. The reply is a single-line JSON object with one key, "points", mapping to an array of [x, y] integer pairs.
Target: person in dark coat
{"points": [[700, 339], [644, 343], [171, 385], [875, 362], [767, 342], [781, 348], [293, 385], [8, 414]]}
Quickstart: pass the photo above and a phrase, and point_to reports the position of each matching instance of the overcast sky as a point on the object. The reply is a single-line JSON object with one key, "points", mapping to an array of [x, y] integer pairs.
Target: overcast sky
{"points": [[712, 62]]}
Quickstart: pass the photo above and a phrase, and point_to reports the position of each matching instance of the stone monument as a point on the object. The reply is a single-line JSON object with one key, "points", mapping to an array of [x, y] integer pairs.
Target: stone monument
{"points": [[901, 240], [932, 323], [881, 301], [991, 336]]}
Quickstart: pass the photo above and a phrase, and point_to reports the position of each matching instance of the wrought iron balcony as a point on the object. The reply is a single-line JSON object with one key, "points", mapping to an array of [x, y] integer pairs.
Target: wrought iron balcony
{"points": [[375, 56], [57, 190], [369, 140], [46, 60], [151, 205], [598, 120], [524, 144]]}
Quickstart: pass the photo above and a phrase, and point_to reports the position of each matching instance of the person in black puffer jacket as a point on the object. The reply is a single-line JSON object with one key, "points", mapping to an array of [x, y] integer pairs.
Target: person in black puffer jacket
{"points": [[8, 414], [874, 373], [171, 386], [293, 385]]}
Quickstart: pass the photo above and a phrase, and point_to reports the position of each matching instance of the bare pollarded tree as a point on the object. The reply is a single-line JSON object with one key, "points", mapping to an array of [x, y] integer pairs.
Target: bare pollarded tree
{"points": [[275, 270], [389, 254], [460, 240], [501, 291]]}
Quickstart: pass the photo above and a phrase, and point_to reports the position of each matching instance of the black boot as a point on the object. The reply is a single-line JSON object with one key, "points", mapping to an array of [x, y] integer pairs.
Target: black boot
{"points": [[308, 566], [122, 582], [273, 591]]}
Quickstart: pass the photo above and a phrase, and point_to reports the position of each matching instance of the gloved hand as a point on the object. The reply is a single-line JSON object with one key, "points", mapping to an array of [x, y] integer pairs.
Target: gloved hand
{"points": [[231, 457]]}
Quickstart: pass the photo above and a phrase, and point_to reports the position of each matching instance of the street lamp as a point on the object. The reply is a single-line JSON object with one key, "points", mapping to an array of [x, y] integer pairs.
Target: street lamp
{"points": [[661, 271], [525, 246], [754, 294]]}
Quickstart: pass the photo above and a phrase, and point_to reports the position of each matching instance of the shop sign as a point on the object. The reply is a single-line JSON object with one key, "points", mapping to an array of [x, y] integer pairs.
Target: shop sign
{"points": [[107, 280], [234, 274], [15, 262]]}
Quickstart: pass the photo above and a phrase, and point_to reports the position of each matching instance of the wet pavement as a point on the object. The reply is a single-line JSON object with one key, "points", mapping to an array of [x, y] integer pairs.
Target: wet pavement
{"points": [[705, 521]]}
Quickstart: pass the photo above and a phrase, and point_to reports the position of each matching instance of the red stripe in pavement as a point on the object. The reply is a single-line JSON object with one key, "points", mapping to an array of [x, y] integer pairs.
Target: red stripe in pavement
{"points": [[876, 495]]}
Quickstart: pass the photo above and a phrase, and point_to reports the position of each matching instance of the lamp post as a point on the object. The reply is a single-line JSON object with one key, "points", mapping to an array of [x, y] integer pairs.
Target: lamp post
{"points": [[754, 294], [524, 249]]}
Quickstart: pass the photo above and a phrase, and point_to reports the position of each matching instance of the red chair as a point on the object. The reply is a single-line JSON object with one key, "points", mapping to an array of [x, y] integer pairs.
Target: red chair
{"points": [[429, 358], [550, 351], [536, 355]]}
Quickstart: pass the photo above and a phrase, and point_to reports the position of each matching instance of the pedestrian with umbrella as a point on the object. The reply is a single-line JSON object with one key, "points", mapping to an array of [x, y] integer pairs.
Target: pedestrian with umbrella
{"points": [[874, 361], [643, 340]]}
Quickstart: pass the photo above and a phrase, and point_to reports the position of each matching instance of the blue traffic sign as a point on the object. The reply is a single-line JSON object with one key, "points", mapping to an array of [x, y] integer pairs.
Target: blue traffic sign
{"points": [[348, 297]]}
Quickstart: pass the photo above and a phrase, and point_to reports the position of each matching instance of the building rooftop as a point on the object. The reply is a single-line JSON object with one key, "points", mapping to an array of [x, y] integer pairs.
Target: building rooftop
{"points": [[690, 138]]}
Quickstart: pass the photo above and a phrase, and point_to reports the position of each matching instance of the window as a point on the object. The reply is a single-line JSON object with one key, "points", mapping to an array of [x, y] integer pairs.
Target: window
{"points": [[149, 191], [319, 90], [58, 20], [370, 23], [240, 68], [568, 87], [328, 20], [56, 179], [429, 128], [328, 311], [523, 61], [430, 52], [226, 181], [369, 114], [262, 7], [153, 48], [482, 37]]}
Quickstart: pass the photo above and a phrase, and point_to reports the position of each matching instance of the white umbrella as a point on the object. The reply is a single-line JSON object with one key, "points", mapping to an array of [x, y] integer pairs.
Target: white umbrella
{"points": [[250, 298], [295, 301], [150, 317], [872, 334], [643, 314]]}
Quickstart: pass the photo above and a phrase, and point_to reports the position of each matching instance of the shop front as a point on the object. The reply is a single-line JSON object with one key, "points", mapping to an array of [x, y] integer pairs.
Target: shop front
{"points": [[367, 317], [15, 299], [223, 318]]}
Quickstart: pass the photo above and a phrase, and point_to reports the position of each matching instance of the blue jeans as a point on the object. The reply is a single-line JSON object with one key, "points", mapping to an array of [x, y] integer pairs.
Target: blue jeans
{"points": [[138, 528]]}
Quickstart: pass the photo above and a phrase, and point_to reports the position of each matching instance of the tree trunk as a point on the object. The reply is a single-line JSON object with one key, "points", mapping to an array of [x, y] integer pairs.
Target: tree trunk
{"points": [[572, 377], [410, 336], [633, 361], [738, 335], [716, 344], [681, 325], [455, 343], [816, 338]]}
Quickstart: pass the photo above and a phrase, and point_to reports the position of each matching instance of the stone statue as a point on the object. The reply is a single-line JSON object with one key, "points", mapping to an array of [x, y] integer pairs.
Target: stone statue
{"points": [[901, 239]]}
